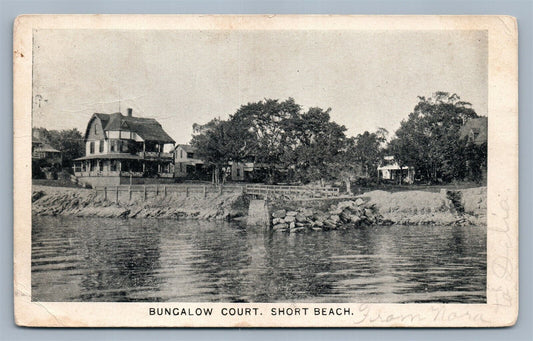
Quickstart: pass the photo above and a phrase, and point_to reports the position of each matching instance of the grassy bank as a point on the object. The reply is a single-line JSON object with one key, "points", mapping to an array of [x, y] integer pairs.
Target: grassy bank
{"points": [[421, 207]]}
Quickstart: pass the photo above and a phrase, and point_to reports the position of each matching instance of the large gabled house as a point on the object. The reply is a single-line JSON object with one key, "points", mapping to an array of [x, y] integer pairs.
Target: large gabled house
{"points": [[124, 149]]}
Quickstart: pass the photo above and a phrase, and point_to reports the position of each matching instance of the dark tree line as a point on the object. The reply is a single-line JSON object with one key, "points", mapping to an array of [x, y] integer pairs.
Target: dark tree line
{"points": [[287, 143], [293, 145]]}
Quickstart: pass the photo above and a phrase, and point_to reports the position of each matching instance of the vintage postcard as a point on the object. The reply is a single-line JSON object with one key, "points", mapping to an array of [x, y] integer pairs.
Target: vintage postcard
{"points": [[265, 171]]}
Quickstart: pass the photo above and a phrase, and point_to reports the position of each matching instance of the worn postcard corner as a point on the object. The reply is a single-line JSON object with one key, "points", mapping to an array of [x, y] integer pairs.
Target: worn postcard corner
{"points": [[265, 171]]}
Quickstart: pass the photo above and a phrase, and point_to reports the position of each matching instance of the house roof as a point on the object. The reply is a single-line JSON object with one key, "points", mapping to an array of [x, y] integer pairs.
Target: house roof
{"points": [[476, 126], [187, 148], [110, 156], [147, 128], [394, 166], [46, 148]]}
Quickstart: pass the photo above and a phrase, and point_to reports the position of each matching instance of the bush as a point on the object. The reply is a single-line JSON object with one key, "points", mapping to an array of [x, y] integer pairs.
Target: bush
{"points": [[456, 198]]}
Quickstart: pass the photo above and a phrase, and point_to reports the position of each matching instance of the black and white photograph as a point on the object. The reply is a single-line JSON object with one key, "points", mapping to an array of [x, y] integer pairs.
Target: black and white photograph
{"points": [[242, 165]]}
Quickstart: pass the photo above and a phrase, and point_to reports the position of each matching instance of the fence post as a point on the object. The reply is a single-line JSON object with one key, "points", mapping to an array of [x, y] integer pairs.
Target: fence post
{"points": [[220, 189], [205, 192], [129, 191], [144, 192], [165, 191], [186, 191], [116, 197], [105, 193], [156, 190]]}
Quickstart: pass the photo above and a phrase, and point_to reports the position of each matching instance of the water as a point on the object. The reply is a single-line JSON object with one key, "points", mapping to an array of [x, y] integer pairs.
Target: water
{"points": [[115, 260]]}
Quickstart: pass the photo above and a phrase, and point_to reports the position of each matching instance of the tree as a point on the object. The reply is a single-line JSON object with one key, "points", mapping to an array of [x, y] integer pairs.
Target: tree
{"points": [[267, 127], [277, 136], [368, 147], [313, 145], [220, 143], [428, 139]]}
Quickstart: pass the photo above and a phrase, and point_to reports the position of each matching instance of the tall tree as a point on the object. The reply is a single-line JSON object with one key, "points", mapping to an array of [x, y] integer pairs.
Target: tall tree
{"points": [[368, 148], [427, 140]]}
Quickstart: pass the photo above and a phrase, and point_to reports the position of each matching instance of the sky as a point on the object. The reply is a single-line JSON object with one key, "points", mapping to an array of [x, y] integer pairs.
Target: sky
{"points": [[369, 79]]}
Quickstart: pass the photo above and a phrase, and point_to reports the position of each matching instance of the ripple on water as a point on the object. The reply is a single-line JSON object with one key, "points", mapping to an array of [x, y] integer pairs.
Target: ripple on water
{"points": [[95, 259]]}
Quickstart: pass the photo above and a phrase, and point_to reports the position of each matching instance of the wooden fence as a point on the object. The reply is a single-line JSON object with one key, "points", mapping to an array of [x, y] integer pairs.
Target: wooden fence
{"points": [[144, 192], [291, 192]]}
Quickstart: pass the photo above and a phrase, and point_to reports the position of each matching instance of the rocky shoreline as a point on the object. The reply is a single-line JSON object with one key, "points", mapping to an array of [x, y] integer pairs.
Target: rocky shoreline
{"points": [[344, 215], [54, 201], [461, 207], [458, 208]]}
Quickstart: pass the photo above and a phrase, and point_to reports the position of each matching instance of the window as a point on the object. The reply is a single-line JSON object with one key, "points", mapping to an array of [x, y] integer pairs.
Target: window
{"points": [[113, 165], [95, 130], [101, 148], [238, 172], [190, 155], [91, 147], [114, 145], [181, 154], [101, 165]]}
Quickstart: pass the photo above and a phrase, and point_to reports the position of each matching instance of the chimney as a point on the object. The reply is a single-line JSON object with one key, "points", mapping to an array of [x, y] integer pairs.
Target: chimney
{"points": [[130, 112]]}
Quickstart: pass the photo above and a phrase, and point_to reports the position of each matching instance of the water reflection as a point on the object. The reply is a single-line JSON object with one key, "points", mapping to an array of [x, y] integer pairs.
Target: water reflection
{"points": [[75, 259]]}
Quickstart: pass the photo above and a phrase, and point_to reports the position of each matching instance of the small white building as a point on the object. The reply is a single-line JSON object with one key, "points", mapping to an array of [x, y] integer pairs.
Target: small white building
{"points": [[391, 171]]}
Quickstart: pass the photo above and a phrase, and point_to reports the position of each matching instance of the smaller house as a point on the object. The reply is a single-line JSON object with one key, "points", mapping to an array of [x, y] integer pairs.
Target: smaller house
{"points": [[475, 130], [241, 171], [46, 159], [40, 150], [391, 171], [186, 164]]}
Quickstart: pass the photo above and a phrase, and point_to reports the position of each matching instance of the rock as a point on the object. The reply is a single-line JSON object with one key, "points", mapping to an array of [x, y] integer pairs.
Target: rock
{"points": [[279, 214], [318, 223], [359, 202], [308, 212], [334, 218], [346, 216], [300, 218], [335, 211], [298, 229], [291, 213], [344, 204], [301, 224], [289, 219], [37, 195], [292, 225], [329, 224], [368, 212], [276, 221], [280, 226], [316, 229], [319, 217]]}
